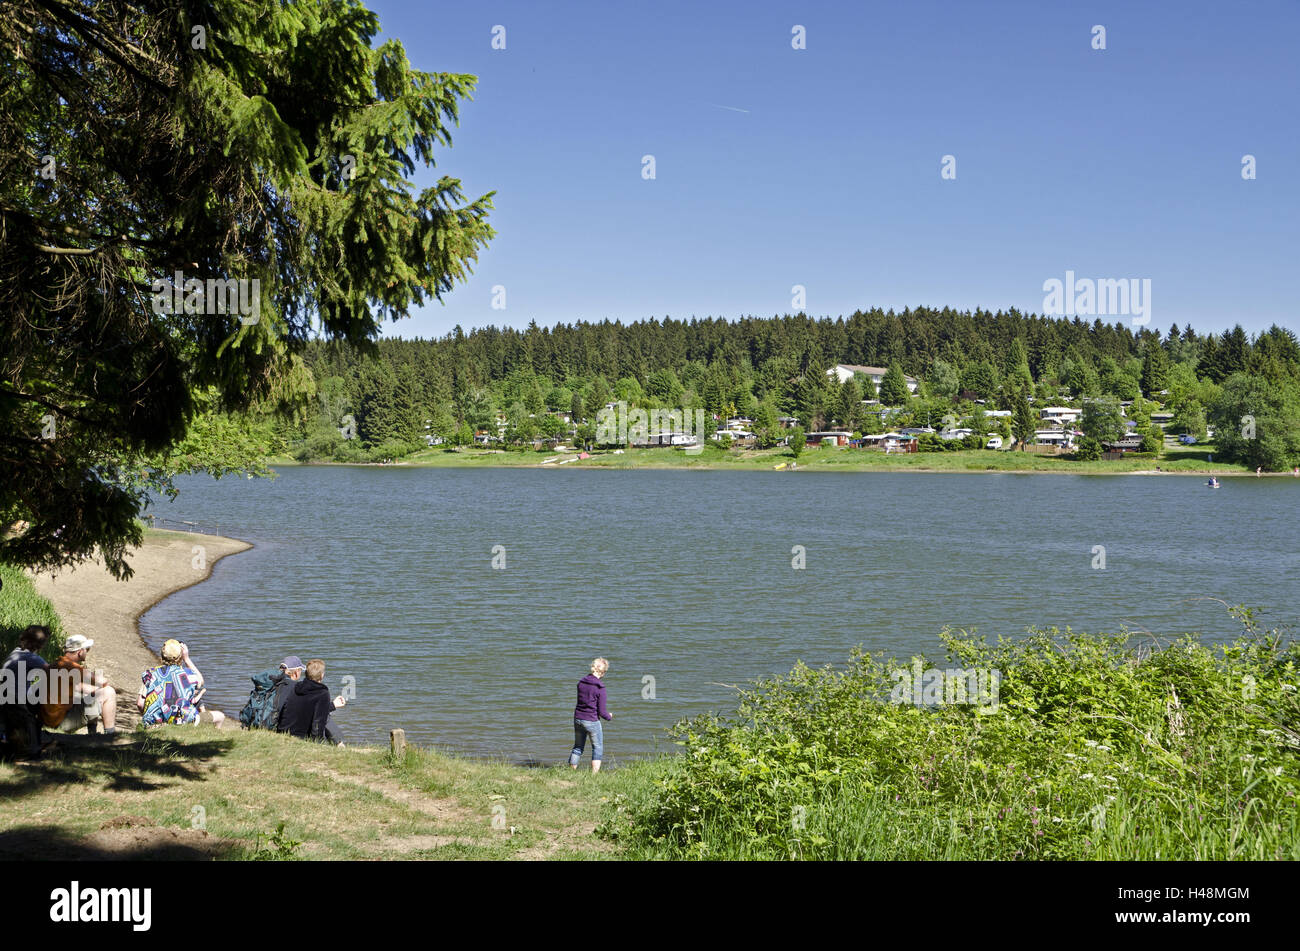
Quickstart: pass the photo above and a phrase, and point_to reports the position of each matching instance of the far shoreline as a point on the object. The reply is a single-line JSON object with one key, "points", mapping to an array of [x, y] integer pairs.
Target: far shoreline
{"points": [[832, 461]]}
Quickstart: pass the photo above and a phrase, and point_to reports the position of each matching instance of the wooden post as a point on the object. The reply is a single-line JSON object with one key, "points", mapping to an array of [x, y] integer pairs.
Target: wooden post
{"points": [[398, 740]]}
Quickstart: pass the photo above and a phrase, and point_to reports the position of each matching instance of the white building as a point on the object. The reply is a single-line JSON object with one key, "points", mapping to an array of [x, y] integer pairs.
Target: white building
{"points": [[843, 372], [1066, 414], [1054, 437]]}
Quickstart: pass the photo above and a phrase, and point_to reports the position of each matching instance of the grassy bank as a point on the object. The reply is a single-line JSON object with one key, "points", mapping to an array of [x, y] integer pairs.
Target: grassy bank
{"points": [[1093, 749], [198, 792], [20, 606], [1182, 460]]}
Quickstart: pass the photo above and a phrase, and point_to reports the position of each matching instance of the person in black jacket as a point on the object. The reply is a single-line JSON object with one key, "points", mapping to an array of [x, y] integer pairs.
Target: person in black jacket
{"points": [[291, 670], [307, 708]]}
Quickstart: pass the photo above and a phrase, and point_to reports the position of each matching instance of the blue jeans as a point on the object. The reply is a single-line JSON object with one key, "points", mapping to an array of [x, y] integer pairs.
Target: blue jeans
{"points": [[581, 730]]}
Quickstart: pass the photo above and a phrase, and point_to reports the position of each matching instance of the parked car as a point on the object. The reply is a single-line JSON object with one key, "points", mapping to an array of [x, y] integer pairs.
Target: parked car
{"points": [[1188, 440], [995, 442]]}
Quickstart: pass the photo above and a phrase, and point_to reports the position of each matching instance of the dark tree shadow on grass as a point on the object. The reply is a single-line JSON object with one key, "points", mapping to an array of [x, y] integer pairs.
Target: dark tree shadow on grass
{"points": [[139, 762]]}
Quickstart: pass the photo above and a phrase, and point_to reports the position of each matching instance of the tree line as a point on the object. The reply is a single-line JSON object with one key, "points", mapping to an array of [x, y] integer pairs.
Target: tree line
{"points": [[543, 381]]}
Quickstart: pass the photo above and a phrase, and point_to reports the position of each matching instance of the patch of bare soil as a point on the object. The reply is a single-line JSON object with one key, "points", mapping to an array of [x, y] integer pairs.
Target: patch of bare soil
{"points": [[124, 838], [157, 843]]}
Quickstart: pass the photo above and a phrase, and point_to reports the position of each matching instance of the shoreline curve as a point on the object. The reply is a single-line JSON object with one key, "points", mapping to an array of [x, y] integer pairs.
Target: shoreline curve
{"points": [[91, 602]]}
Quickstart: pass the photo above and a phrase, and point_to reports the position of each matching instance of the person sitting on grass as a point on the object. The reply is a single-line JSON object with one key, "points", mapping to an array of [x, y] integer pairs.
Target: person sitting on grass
{"points": [[25, 670], [291, 670], [25, 660], [306, 711], [171, 693], [78, 697], [293, 673]]}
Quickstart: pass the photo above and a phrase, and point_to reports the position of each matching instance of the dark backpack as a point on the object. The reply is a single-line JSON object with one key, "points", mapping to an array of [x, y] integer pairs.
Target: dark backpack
{"points": [[259, 712]]}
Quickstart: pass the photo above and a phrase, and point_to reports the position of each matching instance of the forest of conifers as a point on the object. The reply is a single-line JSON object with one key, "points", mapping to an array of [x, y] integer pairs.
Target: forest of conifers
{"points": [[761, 367]]}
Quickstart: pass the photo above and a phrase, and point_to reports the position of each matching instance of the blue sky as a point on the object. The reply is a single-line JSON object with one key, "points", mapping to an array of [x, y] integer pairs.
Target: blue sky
{"points": [[1116, 163]]}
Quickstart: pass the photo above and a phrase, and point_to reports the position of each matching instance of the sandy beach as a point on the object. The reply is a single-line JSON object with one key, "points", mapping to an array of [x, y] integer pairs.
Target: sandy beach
{"points": [[92, 603]]}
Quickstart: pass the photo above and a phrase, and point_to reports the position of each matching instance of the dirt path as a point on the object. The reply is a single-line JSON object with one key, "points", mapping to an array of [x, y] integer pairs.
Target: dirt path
{"points": [[92, 603]]}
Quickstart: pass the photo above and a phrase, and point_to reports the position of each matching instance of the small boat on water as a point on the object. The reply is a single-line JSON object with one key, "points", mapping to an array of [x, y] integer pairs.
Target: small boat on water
{"points": [[1214, 483]]}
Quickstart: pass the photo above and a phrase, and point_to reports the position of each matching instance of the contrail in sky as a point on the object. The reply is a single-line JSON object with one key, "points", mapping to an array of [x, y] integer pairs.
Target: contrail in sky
{"points": [[732, 108]]}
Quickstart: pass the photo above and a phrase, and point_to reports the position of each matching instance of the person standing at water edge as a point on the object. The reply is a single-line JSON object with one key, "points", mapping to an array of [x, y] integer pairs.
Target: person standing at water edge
{"points": [[587, 715]]}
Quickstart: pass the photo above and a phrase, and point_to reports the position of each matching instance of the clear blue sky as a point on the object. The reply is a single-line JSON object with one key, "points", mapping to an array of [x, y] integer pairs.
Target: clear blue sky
{"points": [[1122, 163]]}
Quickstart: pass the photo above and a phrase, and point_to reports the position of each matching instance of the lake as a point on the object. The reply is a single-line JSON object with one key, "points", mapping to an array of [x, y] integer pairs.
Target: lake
{"points": [[685, 577]]}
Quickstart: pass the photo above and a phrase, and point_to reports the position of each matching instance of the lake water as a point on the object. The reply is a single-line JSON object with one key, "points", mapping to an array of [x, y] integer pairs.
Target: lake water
{"points": [[685, 577]]}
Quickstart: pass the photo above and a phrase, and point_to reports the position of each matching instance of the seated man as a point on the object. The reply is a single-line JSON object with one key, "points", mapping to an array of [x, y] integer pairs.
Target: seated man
{"points": [[25, 672], [77, 697], [306, 710], [293, 670], [26, 658], [171, 693]]}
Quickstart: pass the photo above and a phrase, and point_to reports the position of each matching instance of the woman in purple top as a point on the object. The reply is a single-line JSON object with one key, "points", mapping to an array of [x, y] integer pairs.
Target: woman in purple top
{"points": [[588, 714]]}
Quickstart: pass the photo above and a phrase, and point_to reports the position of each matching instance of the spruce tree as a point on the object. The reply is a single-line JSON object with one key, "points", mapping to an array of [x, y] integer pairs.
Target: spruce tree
{"points": [[893, 387], [1210, 365], [263, 144], [1155, 369], [1023, 425]]}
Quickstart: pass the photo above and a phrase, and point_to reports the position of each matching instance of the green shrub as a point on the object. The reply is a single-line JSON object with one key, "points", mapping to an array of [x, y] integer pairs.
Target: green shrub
{"points": [[276, 846], [1094, 748], [1089, 450], [391, 449]]}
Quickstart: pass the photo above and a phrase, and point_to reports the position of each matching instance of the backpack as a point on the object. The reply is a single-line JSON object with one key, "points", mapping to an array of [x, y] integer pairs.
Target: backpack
{"points": [[259, 712]]}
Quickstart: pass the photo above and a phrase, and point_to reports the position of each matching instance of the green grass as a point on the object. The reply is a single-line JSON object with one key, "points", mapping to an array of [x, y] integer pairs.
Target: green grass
{"points": [[843, 459], [20, 606], [868, 825], [352, 803]]}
